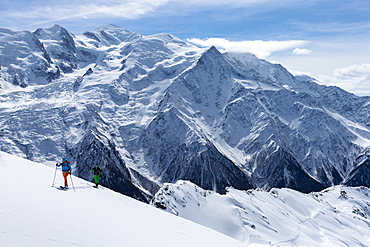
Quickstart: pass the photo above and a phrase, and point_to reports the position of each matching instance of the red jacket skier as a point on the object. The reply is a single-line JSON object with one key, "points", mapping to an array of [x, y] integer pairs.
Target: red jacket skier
{"points": [[66, 170]]}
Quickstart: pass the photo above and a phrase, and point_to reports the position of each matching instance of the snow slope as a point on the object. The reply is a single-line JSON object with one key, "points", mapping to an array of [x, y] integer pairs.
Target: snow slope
{"points": [[337, 216], [32, 213]]}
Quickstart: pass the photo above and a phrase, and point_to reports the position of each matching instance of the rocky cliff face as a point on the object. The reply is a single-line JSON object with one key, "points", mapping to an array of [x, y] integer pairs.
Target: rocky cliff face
{"points": [[95, 148], [155, 109], [360, 175]]}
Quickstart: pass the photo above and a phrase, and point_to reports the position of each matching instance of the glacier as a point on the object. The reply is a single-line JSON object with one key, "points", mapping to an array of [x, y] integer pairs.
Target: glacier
{"points": [[156, 109]]}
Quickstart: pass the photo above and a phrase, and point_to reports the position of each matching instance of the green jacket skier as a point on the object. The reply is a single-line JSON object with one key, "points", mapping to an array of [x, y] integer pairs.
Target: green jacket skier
{"points": [[97, 173]]}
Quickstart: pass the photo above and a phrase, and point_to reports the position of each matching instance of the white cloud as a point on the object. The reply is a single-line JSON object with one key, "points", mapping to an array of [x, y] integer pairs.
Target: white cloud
{"points": [[353, 71], [260, 48], [299, 51], [354, 78]]}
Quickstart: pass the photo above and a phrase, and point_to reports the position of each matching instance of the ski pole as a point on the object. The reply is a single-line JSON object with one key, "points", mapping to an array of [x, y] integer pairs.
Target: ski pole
{"points": [[55, 175], [70, 175]]}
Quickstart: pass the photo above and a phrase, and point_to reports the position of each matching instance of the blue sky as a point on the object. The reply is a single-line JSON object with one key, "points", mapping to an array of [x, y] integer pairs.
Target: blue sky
{"points": [[327, 39]]}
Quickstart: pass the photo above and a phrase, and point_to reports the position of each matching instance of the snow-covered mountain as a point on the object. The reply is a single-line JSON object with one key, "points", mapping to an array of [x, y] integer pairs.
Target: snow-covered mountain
{"points": [[155, 109], [337, 216], [33, 213]]}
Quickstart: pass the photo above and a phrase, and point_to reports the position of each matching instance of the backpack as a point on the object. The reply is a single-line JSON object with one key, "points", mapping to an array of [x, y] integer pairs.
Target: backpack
{"points": [[97, 171]]}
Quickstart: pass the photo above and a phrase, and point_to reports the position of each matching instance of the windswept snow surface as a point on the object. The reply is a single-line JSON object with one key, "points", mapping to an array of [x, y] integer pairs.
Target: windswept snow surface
{"points": [[33, 213], [337, 216]]}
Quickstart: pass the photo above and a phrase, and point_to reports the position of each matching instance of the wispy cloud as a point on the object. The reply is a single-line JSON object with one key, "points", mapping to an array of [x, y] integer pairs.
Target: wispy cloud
{"points": [[260, 48], [53, 11], [333, 27], [240, 3], [299, 51], [124, 8]]}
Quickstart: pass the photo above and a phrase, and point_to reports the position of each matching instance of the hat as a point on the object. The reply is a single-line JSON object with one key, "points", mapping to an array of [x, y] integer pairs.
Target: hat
{"points": [[64, 159], [96, 164]]}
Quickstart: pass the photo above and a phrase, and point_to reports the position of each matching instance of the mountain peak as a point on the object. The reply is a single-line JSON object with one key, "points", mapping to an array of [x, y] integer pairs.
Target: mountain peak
{"points": [[213, 50], [163, 36], [111, 27], [57, 27], [55, 32], [303, 77], [110, 34], [210, 54]]}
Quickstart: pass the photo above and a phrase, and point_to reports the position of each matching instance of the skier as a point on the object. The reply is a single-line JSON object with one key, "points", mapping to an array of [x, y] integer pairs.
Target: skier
{"points": [[97, 172], [66, 170]]}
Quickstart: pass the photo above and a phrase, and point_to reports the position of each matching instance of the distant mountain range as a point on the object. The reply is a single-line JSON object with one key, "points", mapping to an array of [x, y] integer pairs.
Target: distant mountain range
{"points": [[156, 109]]}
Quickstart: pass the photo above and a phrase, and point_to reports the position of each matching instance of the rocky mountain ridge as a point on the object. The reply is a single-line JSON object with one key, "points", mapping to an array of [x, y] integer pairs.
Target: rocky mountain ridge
{"points": [[156, 109]]}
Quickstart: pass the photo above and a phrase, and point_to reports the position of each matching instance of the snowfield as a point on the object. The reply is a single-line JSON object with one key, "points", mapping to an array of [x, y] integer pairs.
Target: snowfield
{"points": [[32, 213], [337, 216]]}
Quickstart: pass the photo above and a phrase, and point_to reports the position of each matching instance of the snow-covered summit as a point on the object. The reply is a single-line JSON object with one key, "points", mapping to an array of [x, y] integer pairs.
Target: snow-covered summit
{"points": [[110, 34], [24, 60], [156, 109], [56, 32]]}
